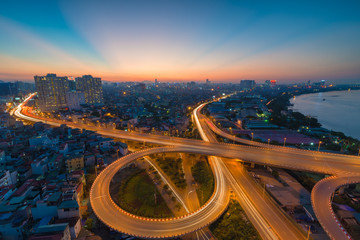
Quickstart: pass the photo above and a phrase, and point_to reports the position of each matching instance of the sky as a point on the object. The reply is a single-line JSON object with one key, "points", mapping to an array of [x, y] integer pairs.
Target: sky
{"points": [[223, 41]]}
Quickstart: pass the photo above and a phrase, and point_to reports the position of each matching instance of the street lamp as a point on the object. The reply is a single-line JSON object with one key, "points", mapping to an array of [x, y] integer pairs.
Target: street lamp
{"points": [[252, 136], [268, 141], [230, 128], [319, 146], [308, 233], [284, 141]]}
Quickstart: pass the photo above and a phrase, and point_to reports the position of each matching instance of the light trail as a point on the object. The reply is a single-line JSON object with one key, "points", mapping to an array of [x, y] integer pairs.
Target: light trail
{"points": [[341, 165]]}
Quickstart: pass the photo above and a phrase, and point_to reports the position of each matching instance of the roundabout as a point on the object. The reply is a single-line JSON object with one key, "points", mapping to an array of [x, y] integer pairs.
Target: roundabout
{"points": [[342, 166], [116, 218]]}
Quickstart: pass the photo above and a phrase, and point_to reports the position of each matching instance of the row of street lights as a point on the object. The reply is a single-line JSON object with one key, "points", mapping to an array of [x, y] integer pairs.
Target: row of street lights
{"points": [[252, 139]]}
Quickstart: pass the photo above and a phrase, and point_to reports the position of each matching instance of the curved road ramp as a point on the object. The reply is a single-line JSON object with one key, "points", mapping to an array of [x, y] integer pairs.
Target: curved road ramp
{"points": [[108, 212], [321, 198], [120, 220]]}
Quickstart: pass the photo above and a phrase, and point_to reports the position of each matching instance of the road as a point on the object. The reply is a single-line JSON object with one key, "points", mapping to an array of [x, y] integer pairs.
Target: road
{"points": [[321, 193], [336, 164], [109, 213], [321, 200], [297, 159], [203, 233], [267, 218]]}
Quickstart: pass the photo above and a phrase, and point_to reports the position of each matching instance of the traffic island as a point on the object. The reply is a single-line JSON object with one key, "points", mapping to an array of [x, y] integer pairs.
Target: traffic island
{"points": [[137, 194]]}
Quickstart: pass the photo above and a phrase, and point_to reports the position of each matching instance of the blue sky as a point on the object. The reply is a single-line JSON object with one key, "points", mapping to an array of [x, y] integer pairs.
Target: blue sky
{"points": [[289, 41]]}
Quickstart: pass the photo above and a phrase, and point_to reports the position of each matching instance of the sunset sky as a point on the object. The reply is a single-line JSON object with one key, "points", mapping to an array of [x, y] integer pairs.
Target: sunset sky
{"points": [[170, 40]]}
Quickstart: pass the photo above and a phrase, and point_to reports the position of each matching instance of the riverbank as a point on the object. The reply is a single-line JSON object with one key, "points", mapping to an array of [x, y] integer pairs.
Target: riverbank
{"points": [[282, 114], [336, 110]]}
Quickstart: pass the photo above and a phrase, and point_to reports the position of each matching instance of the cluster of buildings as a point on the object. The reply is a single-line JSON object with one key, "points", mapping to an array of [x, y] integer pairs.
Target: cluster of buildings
{"points": [[43, 172], [56, 92], [15, 88], [247, 115], [251, 84], [154, 107]]}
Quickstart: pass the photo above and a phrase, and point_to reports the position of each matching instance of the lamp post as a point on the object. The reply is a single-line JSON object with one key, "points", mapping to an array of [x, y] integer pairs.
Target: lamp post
{"points": [[268, 141], [96, 166], [252, 136], [308, 233], [284, 141], [319, 146]]}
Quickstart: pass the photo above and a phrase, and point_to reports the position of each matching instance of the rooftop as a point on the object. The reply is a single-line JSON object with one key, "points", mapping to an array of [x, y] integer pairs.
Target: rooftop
{"points": [[69, 204], [55, 197], [52, 228]]}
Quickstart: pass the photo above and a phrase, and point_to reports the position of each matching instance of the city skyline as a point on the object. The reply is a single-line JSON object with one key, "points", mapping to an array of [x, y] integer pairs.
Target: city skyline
{"points": [[220, 41]]}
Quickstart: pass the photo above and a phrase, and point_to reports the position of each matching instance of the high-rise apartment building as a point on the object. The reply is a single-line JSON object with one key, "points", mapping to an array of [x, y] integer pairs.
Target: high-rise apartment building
{"points": [[51, 91], [91, 87], [72, 84], [74, 100], [247, 84]]}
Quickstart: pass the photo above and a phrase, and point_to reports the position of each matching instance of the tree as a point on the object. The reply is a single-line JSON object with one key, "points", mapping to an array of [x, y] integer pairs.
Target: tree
{"points": [[89, 223], [95, 114], [85, 215], [275, 174]]}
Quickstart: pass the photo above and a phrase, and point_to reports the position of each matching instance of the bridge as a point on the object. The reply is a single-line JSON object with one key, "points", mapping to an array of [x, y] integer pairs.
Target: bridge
{"points": [[337, 165]]}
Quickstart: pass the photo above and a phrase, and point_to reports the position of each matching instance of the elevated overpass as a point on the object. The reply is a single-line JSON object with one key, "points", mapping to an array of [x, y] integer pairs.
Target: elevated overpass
{"points": [[283, 157]]}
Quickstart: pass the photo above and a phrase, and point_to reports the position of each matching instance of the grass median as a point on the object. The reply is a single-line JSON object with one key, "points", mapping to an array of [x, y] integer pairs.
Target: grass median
{"points": [[172, 167], [139, 195], [233, 224], [204, 178]]}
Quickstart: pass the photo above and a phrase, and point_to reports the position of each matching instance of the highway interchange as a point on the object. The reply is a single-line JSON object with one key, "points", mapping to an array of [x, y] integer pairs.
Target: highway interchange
{"points": [[333, 164]]}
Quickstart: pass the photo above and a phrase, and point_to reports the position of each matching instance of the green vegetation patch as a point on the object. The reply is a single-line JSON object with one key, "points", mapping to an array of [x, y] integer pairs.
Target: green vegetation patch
{"points": [[173, 168], [138, 195], [233, 224], [203, 176], [307, 179]]}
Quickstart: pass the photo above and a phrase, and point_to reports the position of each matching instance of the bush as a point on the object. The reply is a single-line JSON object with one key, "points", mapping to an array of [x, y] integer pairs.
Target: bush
{"points": [[173, 168], [85, 215], [202, 174], [89, 224], [233, 225], [275, 174]]}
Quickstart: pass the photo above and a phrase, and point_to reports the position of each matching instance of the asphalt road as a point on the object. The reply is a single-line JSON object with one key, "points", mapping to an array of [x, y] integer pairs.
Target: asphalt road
{"points": [[321, 200], [321, 193], [267, 218], [337, 164], [116, 218]]}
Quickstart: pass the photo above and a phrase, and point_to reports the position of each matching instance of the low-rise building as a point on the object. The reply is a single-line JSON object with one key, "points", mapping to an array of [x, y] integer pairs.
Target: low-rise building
{"points": [[74, 225], [68, 209], [75, 162], [13, 221], [60, 231], [8, 178], [47, 207]]}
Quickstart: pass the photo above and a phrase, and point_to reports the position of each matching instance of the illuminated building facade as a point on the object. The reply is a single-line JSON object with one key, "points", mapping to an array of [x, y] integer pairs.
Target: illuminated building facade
{"points": [[91, 87], [51, 91]]}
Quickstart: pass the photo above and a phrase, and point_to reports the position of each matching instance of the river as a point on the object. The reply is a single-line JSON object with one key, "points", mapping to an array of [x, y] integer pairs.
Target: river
{"points": [[338, 111]]}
